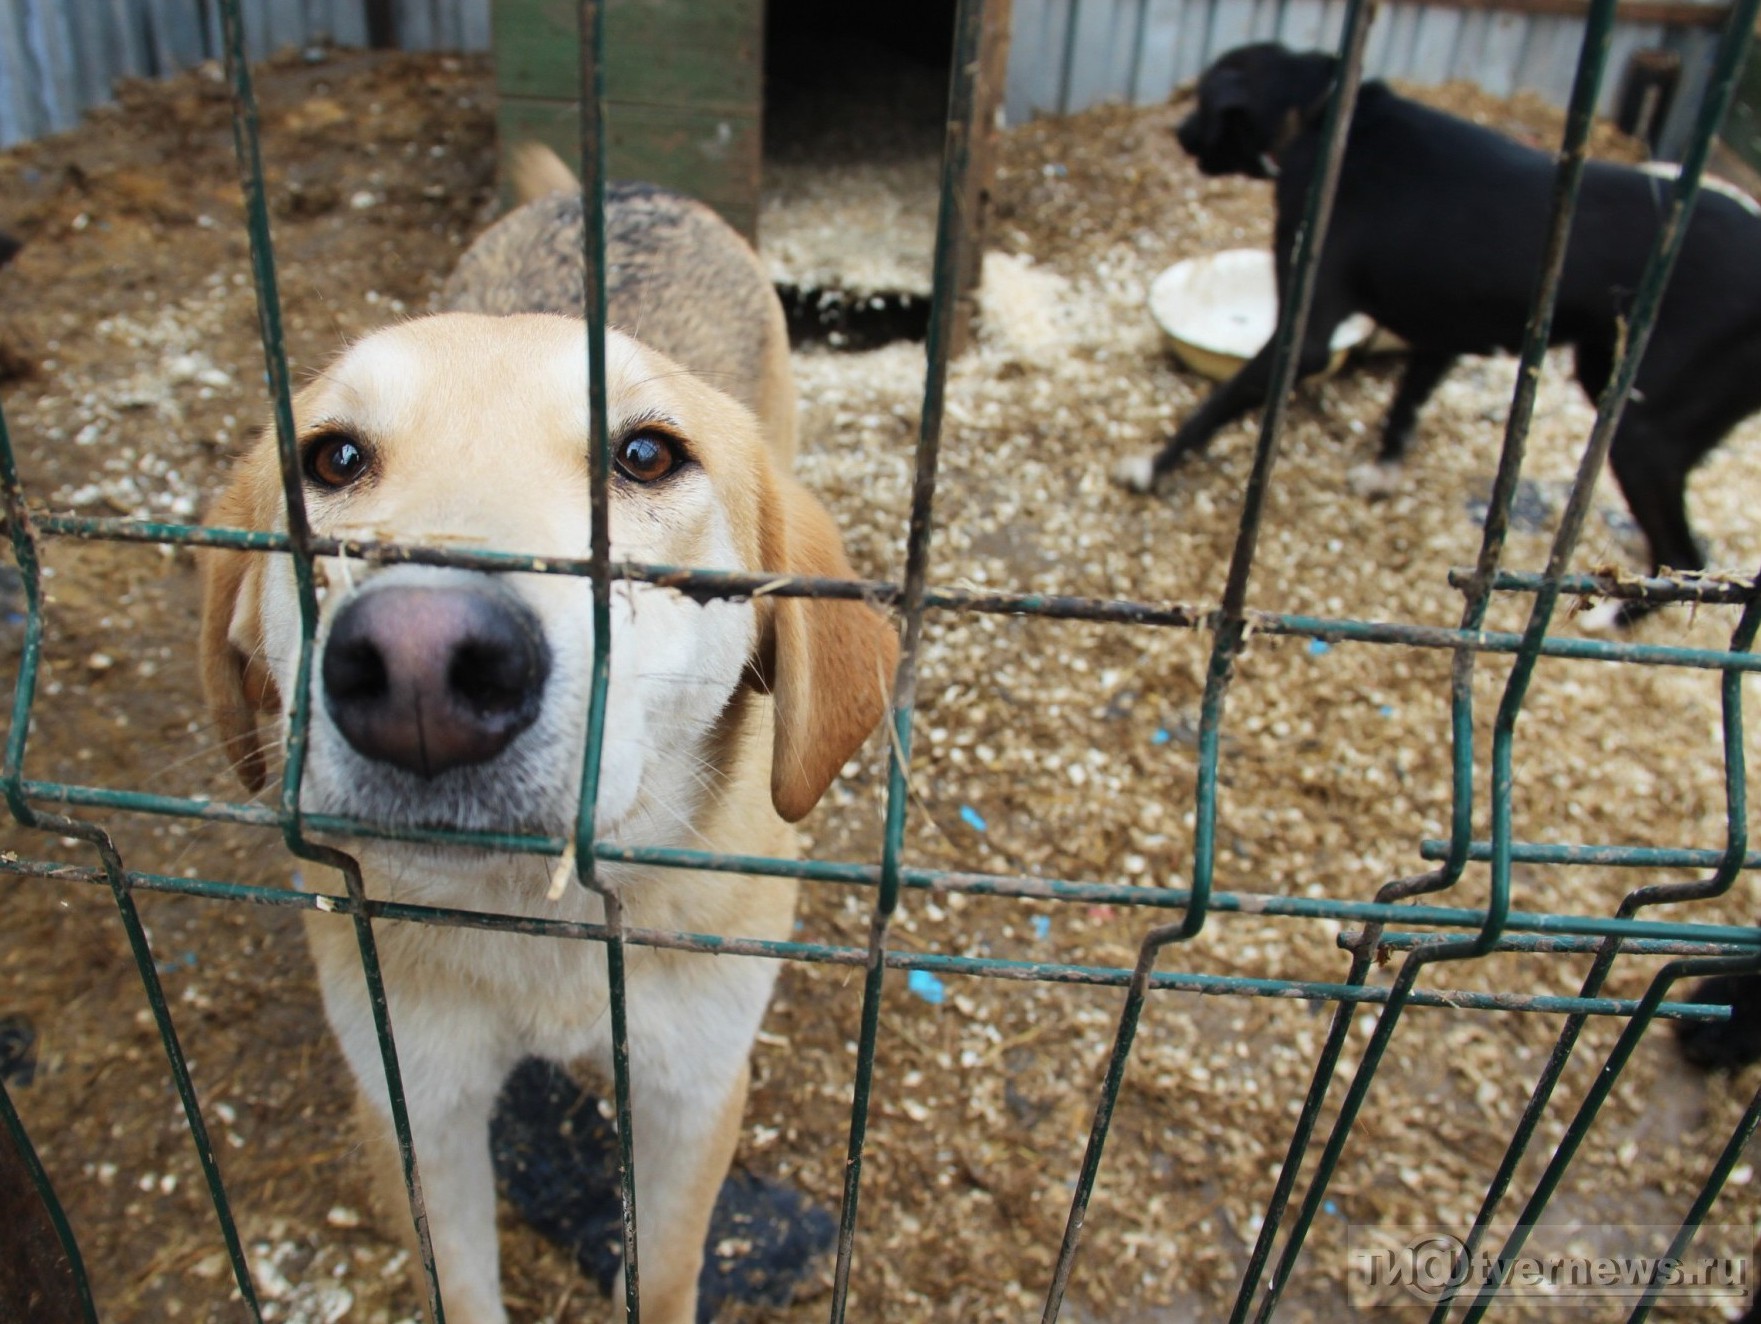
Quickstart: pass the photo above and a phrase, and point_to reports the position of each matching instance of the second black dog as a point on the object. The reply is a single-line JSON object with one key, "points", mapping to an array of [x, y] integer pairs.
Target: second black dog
{"points": [[1437, 234]]}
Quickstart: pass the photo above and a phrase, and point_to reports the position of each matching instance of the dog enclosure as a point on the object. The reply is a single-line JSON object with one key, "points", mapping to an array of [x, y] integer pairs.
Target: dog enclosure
{"points": [[1405, 921]]}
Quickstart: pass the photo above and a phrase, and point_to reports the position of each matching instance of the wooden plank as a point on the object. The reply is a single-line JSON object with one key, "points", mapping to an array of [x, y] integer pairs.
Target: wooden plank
{"points": [[975, 204], [714, 158], [705, 53]]}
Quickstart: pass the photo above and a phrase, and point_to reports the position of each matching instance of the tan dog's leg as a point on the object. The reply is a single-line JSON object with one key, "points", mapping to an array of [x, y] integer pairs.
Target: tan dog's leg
{"points": [[452, 1065], [683, 1149]]}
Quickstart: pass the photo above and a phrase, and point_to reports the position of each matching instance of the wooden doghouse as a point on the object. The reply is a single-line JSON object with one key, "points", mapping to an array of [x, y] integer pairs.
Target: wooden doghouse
{"points": [[684, 85], [685, 90]]}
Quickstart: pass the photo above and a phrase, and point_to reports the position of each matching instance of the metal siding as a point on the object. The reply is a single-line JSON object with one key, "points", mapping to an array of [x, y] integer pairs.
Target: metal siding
{"points": [[1035, 57], [15, 80], [1505, 37], [1695, 47], [46, 64], [1304, 23], [1434, 45], [60, 57], [1097, 72], [1159, 66], [1143, 50], [1231, 25]]}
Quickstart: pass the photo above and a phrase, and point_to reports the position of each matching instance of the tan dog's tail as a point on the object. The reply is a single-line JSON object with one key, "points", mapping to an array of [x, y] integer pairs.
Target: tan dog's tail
{"points": [[537, 171]]}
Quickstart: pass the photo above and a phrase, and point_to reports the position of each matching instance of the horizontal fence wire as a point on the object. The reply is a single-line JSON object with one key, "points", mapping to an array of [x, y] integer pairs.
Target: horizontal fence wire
{"points": [[1430, 934]]}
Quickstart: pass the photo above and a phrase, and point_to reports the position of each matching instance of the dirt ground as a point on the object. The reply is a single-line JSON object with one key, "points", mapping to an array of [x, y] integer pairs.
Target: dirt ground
{"points": [[1041, 747]]}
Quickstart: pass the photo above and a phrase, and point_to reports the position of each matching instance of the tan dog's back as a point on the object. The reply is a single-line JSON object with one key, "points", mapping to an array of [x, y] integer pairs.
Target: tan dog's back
{"points": [[678, 278]]}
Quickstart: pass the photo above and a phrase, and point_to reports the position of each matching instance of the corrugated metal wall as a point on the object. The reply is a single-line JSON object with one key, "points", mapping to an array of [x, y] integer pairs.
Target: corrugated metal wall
{"points": [[57, 57], [1067, 55]]}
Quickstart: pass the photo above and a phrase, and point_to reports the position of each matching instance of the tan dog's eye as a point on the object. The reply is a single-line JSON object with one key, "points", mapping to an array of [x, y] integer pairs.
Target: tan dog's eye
{"points": [[648, 456], [336, 460]]}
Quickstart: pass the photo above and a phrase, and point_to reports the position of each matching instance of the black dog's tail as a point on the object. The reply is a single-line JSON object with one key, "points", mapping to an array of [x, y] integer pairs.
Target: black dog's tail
{"points": [[8, 247]]}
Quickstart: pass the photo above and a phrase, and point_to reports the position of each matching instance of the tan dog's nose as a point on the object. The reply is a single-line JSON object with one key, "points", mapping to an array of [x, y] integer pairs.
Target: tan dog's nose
{"points": [[431, 678]]}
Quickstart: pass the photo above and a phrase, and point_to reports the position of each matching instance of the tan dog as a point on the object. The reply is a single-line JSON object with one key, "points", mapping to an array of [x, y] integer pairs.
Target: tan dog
{"points": [[448, 698]]}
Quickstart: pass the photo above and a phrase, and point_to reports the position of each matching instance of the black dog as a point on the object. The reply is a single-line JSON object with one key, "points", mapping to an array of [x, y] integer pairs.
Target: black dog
{"points": [[1437, 234]]}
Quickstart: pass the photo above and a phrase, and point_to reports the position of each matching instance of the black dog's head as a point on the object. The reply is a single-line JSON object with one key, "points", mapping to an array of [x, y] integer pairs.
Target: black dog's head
{"points": [[1251, 103]]}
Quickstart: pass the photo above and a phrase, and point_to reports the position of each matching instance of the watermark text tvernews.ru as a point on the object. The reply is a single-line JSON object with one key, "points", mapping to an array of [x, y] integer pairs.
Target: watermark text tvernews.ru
{"points": [[1579, 1265]]}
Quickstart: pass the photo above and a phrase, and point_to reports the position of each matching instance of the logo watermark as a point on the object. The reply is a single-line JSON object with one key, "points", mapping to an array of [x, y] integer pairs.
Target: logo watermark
{"points": [[1575, 1265]]}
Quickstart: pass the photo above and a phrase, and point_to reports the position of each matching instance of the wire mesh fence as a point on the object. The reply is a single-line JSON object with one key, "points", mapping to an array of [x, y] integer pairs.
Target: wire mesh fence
{"points": [[1406, 918]]}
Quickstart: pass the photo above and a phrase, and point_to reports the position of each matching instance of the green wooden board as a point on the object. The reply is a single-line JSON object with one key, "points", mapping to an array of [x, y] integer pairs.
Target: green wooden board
{"points": [[714, 158], [707, 53], [684, 86]]}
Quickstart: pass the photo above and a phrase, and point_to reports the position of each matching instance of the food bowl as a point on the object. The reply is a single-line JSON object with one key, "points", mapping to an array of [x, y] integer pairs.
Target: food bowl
{"points": [[1218, 310]]}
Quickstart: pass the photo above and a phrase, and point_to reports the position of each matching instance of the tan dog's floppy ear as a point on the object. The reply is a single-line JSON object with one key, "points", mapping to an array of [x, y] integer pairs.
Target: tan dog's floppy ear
{"points": [[829, 664], [241, 693]]}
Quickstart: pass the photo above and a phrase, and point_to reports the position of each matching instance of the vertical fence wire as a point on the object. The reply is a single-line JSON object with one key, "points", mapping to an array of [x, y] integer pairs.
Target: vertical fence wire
{"points": [[1727, 67], [953, 235], [591, 42], [1736, 847], [12, 776], [1600, 1087], [45, 1189], [1645, 308], [1569, 171], [247, 146], [1230, 624], [1696, 1215]]}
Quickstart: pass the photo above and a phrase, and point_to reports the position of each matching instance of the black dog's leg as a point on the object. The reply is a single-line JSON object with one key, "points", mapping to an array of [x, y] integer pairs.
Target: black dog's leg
{"points": [[1651, 466], [1424, 370], [1246, 390]]}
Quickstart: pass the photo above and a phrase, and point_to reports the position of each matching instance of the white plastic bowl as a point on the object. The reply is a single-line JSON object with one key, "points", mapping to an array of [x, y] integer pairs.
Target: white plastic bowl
{"points": [[1218, 310]]}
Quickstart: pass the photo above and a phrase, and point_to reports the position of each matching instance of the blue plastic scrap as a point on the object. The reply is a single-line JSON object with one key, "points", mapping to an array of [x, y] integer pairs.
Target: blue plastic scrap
{"points": [[926, 986]]}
